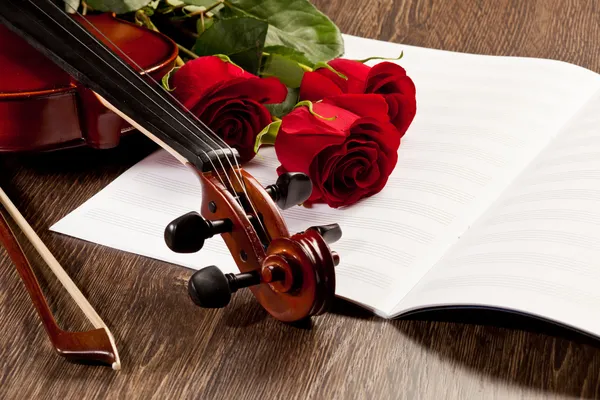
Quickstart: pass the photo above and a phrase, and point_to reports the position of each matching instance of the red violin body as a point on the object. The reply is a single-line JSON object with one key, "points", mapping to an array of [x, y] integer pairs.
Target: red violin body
{"points": [[44, 108]]}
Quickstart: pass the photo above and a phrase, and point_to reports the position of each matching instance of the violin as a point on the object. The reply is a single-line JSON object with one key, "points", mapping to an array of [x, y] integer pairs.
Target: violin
{"points": [[291, 275], [43, 108]]}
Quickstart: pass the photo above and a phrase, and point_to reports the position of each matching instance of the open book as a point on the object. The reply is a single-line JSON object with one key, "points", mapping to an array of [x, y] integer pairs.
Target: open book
{"points": [[495, 200]]}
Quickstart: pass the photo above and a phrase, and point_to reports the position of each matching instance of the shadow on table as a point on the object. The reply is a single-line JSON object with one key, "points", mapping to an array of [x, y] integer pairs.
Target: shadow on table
{"points": [[80, 160], [518, 349]]}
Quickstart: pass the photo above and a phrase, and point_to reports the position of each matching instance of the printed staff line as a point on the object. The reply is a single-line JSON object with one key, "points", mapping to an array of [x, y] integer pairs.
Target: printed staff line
{"points": [[374, 278], [212, 246], [588, 141], [447, 192], [168, 184], [556, 194], [584, 125], [547, 214], [412, 207], [264, 162], [558, 237], [478, 132], [538, 259], [482, 112], [453, 148], [125, 218], [438, 87], [171, 163], [563, 176], [128, 223], [502, 70], [511, 282], [570, 159], [445, 168], [149, 203], [407, 231], [141, 226], [376, 250]]}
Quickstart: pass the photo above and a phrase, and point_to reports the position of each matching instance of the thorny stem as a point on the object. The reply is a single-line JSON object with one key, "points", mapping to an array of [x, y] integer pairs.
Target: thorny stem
{"points": [[187, 52], [207, 9]]}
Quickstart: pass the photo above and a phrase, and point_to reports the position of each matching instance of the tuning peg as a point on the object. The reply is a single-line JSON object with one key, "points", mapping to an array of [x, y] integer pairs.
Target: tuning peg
{"points": [[187, 233], [331, 233], [291, 189], [211, 288]]}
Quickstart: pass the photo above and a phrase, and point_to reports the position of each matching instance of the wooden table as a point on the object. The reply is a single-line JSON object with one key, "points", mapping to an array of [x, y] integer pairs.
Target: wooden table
{"points": [[171, 349]]}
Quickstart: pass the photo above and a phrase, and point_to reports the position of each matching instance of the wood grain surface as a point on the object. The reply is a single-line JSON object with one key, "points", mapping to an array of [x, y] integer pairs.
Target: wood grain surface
{"points": [[171, 349]]}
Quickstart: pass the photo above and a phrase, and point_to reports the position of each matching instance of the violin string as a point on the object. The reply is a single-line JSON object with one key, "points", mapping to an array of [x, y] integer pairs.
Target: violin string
{"points": [[212, 134], [203, 142], [117, 72], [195, 119]]}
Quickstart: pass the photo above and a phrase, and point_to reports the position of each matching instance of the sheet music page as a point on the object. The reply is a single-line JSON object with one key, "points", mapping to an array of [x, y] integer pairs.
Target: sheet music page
{"points": [[480, 120], [537, 250]]}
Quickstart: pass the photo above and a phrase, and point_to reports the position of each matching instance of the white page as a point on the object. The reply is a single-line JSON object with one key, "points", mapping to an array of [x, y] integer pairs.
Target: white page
{"points": [[537, 250], [480, 120]]}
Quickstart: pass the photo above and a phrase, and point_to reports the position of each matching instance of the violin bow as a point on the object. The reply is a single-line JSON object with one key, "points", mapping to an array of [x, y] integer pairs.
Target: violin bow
{"points": [[94, 346]]}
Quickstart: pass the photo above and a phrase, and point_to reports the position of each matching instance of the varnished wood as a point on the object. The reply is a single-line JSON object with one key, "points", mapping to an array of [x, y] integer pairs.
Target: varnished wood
{"points": [[172, 349], [93, 346], [44, 108], [304, 260]]}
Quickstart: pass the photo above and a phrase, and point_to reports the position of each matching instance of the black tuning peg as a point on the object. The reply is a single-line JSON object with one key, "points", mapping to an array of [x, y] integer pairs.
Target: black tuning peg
{"points": [[291, 189], [187, 233], [211, 288], [331, 233]]}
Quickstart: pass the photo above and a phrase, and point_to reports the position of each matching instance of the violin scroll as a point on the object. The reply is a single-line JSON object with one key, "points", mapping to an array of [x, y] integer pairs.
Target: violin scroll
{"points": [[291, 276]]}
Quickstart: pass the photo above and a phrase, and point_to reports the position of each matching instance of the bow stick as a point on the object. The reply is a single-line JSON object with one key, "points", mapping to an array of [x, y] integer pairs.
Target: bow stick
{"points": [[97, 345]]}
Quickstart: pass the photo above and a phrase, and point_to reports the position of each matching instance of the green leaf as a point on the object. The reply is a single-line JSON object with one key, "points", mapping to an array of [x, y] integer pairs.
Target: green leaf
{"points": [[202, 24], [201, 3], [295, 24], [267, 135], [242, 39], [117, 6], [290, 53], [166, 79], [281, 109], [288, 71]]}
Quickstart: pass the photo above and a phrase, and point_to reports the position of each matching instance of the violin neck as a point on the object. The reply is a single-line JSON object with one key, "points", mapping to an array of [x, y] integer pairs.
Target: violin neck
{"points": [[57, 35]]}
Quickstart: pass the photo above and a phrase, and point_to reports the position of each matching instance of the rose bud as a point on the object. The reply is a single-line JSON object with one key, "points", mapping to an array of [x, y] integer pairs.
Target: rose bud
{"points": [[385, 78], [228, 99], [346, 145]]}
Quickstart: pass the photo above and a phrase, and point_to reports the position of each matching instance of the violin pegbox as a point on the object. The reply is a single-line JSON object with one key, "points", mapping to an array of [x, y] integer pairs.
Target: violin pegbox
{"points": [[292, 276]]}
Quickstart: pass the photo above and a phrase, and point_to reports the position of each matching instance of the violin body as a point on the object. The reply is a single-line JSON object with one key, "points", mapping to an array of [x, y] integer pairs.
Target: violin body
{"points": [[44, 108]]}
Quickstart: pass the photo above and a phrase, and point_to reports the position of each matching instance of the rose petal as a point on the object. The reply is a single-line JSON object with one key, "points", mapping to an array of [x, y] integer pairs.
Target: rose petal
{"points": [[384, 133], [202, 74], [387, 77], [303, 136], [364, 105], [402, 111], [355, 71], [263, 90], [316, 86]]}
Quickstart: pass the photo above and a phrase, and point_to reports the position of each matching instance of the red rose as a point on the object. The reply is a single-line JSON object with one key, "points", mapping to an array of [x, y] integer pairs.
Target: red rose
{"points": [[348, 158], [385, 78], [228, 99]]}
